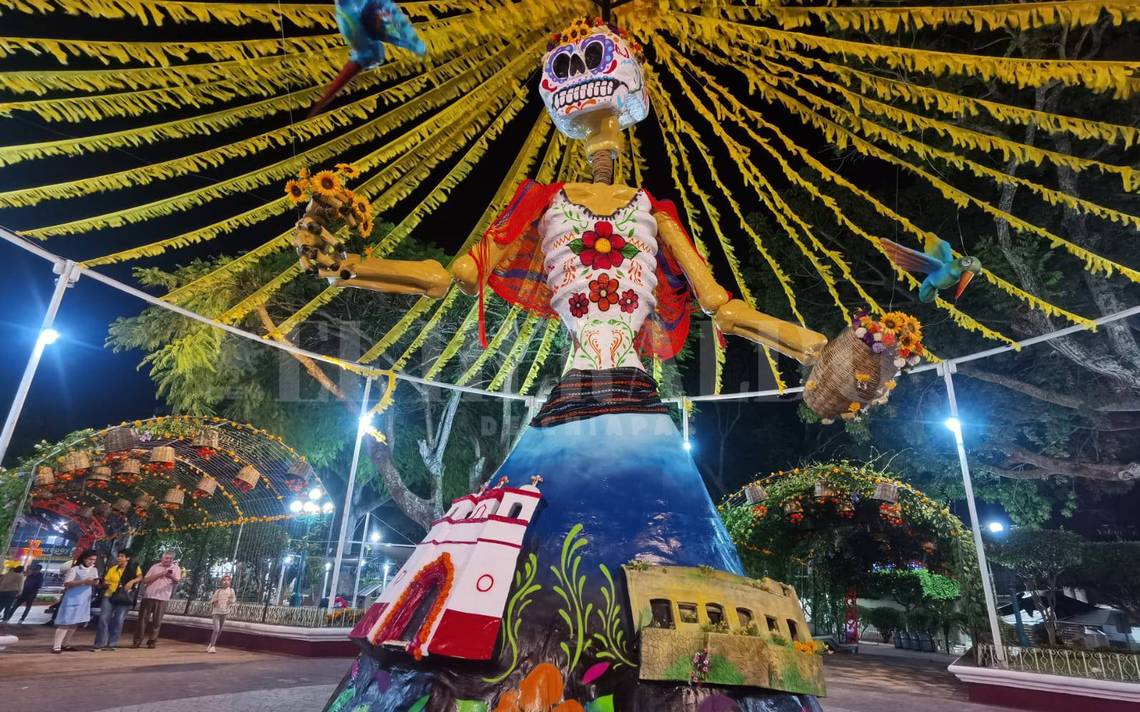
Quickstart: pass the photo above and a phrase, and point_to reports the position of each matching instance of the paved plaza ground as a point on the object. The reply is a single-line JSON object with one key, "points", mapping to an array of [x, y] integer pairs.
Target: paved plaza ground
{"points": [[182, 677]]}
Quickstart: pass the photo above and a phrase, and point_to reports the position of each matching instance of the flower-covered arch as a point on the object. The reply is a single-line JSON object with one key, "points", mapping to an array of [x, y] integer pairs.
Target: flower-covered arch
{"points": [[170, 473], [846, 517]]}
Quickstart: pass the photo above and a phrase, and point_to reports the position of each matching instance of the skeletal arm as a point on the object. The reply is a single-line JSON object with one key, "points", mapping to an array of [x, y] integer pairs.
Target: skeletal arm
{"points": [[733, 316]]}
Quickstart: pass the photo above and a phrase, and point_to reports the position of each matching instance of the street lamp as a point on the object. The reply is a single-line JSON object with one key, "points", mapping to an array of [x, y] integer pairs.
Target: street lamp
{"points": [[296, 506], [374, 537], [316, 493], [995, 527], [946, 370], [48, 336]]}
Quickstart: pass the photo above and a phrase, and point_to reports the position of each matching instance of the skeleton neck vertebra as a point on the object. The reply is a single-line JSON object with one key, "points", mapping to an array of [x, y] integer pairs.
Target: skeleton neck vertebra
{"points": [[603, 143]]}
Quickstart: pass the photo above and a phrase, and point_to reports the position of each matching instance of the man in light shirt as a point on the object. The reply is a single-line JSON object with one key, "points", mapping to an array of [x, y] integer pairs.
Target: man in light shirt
{"points": [[160, 581]]}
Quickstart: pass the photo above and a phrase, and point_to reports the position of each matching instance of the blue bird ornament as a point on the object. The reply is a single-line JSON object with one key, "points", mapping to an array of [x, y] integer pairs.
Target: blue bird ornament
{"points": [[366, 25], [937, 261]]}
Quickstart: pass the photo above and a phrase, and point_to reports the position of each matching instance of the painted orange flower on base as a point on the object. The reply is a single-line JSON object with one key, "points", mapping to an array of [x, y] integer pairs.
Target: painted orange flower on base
{"points": [[540, 691]]}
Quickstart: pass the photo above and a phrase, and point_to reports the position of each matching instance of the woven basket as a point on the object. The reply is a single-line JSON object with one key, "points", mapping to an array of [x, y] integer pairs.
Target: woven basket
{"points": [[298, 476], [122, 506], [173, 499], [74, 463], [120, 440], [45, 476], [846, 372], [99, 477], [246, 479], [205, 487], [102, 509], [207, 442]]}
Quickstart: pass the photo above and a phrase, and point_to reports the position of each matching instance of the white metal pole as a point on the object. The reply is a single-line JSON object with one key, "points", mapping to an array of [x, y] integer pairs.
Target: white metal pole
{"points": [[67, 275], [360, 561], [947, 369], [346, 511], [281, 582]]}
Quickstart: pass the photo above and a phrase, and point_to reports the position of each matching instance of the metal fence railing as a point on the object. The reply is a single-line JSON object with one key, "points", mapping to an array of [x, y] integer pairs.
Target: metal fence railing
{"points": [[1092, 664], [297, 616]]}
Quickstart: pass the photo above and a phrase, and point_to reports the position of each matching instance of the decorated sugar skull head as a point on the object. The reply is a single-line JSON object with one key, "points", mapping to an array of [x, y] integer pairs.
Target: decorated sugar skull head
{"points": [[590, 68]]}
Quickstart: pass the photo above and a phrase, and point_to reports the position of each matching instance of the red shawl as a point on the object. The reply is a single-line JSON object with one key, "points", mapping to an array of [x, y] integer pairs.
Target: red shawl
{"points": [[520, 278]]}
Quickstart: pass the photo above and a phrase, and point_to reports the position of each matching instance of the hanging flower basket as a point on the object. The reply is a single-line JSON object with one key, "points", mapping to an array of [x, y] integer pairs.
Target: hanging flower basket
{"points": [[45, 476], [754, 493], [846, 509], [246, 479], [99, 478], [298, 476], [128, 472], [102, 509], [892, 513], [73, 464], [886, 492], [118, 443], [207, 443], [173, 499], [41, 493], [86, 512], [161, 459], [824, 491], [857, 368], [205, 487], [142, 503], [122, 506], [759, 511]]}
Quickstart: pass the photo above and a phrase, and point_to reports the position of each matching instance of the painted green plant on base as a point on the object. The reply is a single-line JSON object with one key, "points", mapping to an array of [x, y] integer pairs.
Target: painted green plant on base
{"points": [[342, 699], [570, 590], [721, 671], [787, 676], [525, 588], [611, 640]]}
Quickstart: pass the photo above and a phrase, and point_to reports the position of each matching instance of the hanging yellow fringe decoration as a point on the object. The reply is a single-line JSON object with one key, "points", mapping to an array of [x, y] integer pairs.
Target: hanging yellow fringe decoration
{"points": [[540, 357]]}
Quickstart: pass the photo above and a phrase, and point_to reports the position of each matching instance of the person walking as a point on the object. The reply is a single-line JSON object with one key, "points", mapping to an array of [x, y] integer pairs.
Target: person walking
{"points": [[118, 598], [32, 584], [75, 606], [220, 604], [159, 583], [11, 583]]}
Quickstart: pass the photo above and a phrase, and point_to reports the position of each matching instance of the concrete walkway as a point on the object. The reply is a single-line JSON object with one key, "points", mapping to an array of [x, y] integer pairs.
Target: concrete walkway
{"points": [[181, 677]]}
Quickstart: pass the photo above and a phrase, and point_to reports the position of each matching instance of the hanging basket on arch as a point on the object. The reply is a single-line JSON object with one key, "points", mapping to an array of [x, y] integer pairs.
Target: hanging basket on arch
{"points": [[143, 503], [45, 476], [755, 494], [246, 479], [207, 443], [128, 472], [118, 443], [824, 492], [73, 464], [298, 476], [99, 478], [122, 506], [794, 510], [205, 487], [173, 499], [86, 512], [161, 459], [102, 509], [886, 492]]}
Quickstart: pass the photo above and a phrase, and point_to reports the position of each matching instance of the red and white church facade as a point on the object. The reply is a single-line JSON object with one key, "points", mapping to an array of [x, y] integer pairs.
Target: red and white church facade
{"points": [[448, 598]]}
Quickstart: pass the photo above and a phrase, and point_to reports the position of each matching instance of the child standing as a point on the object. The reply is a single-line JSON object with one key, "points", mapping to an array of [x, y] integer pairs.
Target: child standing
{"points": [[220, 603]]}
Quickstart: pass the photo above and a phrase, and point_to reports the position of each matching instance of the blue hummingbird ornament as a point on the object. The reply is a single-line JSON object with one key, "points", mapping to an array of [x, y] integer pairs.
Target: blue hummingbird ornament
{"points": [[937, 261], [366, 25]]}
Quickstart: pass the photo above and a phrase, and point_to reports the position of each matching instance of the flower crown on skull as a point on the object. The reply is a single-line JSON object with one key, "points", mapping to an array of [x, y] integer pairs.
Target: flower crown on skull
{"points": [[592, 67]]}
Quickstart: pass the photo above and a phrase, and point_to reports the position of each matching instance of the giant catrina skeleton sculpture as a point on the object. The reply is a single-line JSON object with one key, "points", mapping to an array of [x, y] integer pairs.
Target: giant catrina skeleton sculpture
{"points": [[609, 582]]}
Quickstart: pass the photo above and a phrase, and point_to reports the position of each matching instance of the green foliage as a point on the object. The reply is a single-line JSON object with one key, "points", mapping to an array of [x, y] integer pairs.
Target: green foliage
{"points": [[913, 587], [571, 589], [841, 550], [885, 619], [1039, 557], [1109, 573], [521, 597]]}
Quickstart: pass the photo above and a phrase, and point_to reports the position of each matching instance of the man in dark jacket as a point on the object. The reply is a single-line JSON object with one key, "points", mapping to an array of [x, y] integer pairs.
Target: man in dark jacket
{"points": [[28, 593]]}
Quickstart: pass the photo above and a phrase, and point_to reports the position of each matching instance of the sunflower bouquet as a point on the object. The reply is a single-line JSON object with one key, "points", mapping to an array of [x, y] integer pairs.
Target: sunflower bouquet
{"points": [[328, 198], [857, 369]]}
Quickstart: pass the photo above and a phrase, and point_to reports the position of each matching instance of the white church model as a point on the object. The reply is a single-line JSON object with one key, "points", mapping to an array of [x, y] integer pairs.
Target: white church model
{"points": [[448, 598]]}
